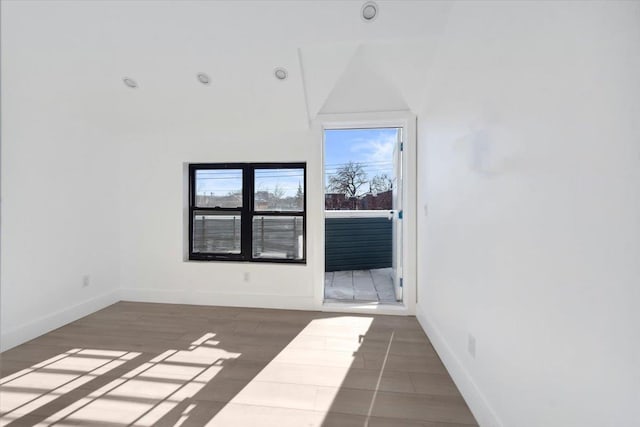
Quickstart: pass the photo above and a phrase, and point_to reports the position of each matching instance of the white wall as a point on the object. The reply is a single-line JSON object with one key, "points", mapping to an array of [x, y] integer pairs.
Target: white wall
{"points": [[59, 169], [529, 159], [153, 220]]}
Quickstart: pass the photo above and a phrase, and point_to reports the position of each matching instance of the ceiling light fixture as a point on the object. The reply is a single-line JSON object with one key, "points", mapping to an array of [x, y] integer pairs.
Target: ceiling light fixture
{"points": [[280, 73], [130, 82], [203, 78], [369, 11]]}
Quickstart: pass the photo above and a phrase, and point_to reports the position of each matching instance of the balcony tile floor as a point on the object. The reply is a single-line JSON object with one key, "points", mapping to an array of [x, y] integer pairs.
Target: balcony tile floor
{"points": [[360, 285]]}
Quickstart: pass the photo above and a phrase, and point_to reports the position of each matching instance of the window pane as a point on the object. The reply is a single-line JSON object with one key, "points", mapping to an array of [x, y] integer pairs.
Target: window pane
{"points": [[216, 232], [279, 190], [278, 237], [219, 188], [362, 167]]}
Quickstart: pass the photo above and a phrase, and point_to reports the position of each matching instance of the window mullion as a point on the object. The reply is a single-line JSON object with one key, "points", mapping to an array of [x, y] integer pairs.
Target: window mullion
{"points": [[247, 211]]}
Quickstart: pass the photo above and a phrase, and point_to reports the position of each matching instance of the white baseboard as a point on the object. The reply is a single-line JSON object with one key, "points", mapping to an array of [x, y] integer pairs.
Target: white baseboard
{"points": [[220, 299], [44, 324], [476, 400]]}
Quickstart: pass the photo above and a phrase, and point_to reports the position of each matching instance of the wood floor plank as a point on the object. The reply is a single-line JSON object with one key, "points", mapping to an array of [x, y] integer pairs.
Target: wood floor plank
{"points": [[164, 364]]}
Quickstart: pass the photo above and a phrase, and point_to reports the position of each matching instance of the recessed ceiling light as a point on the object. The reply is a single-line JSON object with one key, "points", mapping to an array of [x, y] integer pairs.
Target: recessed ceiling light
{"points": [[280, 73], [203, 78], [369, 11], [130, 82]]}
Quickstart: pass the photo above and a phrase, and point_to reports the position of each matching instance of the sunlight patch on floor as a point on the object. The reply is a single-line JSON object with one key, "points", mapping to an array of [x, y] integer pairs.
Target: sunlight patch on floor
{"points": [[29, 389], [142, 395], [299, 385]]}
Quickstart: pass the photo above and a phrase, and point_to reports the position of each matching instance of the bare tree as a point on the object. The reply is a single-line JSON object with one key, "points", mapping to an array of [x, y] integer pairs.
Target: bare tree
{"points": [[380, 183], [348, 180], [278, 192], [299, 199]]}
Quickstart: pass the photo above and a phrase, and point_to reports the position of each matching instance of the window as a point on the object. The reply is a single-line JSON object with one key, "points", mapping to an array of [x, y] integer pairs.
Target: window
{"points": [[247, 212]]}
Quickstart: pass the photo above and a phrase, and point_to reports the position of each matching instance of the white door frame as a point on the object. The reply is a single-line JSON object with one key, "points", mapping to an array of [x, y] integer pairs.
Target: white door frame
{"points": [[400, 119]]}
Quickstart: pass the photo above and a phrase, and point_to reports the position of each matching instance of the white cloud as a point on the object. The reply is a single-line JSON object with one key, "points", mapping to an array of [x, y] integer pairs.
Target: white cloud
{"points": [[378, 149]]}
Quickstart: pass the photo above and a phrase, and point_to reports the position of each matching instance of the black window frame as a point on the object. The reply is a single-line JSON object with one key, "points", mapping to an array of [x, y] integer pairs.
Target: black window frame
{"points": [[247, 212]]}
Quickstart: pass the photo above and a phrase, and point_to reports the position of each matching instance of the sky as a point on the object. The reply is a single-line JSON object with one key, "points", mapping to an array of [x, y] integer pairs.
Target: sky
{"points": [[372, 148], [221, 182]]}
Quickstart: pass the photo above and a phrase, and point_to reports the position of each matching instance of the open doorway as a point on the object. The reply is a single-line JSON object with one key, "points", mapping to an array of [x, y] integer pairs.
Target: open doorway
{"points": [[363, 215]]}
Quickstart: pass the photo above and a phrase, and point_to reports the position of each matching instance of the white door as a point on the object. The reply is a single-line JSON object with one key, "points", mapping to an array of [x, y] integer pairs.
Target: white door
{"points": [[396, 215]]}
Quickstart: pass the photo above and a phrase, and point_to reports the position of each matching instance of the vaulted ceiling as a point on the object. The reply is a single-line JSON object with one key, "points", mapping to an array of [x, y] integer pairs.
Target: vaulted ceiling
{"points": [[74, 55]]}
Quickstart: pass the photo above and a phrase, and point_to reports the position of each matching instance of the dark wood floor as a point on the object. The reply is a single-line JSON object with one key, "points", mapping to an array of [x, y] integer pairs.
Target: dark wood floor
{"points": [[165, 364]]}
